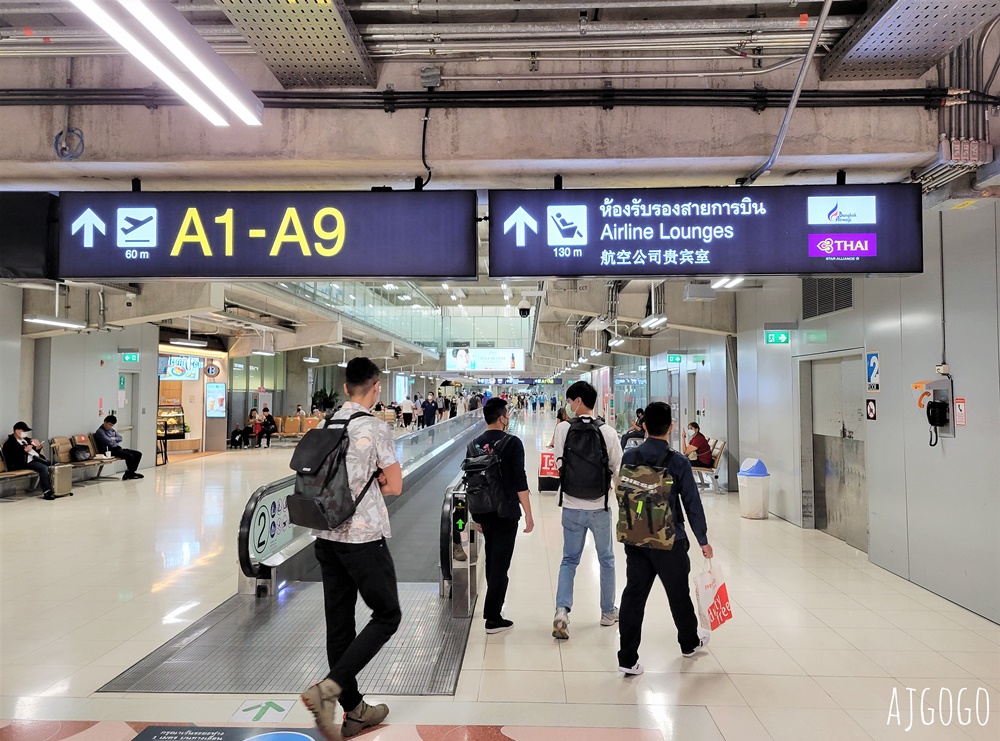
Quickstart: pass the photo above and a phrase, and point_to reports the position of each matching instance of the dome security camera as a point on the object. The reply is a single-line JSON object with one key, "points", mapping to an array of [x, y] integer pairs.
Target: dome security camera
{"points": [[524, 308]]}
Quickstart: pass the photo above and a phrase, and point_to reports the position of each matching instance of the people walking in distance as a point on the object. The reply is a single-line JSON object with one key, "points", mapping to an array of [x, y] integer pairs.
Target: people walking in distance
{"points": [[406, 407], [655, 482], [511, 495], [354, 560], [430, 410], [588, 455]]}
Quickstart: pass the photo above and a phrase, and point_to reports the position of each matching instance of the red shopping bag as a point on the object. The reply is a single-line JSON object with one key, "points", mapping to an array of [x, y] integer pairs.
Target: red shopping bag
{"points": [[548, 472], [713, 597]]}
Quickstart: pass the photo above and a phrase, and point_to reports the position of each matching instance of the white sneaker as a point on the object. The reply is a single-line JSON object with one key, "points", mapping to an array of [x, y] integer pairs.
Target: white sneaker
{"points": [[609, 618], [633, 671], [704, 637], [560, 624]]}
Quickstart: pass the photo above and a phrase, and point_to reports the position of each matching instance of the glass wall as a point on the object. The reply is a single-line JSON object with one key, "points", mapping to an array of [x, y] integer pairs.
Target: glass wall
{"points": [[631, 381], [485, 326], [247, 375]]}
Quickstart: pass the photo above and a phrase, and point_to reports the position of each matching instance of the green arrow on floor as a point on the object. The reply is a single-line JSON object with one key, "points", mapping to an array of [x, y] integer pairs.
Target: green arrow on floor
{"points": [[263, 709]]}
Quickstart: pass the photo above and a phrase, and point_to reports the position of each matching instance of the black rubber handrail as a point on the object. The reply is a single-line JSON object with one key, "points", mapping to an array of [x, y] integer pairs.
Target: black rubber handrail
{"points": [[446, 526]]}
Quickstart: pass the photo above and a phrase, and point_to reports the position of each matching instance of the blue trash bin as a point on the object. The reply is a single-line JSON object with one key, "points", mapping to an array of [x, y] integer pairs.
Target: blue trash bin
{"points": [[755, 489]]}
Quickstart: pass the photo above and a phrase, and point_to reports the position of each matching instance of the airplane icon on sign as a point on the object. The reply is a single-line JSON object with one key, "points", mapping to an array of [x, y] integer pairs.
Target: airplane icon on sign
{"points": [[136, 227]]}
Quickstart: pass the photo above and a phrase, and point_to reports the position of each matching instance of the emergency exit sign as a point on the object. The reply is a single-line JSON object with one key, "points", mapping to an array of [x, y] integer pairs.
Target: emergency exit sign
{"points": [[776, 338], [675, 358], [130, 357]]}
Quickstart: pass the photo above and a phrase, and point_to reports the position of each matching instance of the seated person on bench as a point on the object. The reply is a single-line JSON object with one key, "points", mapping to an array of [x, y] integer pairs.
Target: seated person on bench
{"points": [[698, 444], [109, 441], [21, 453]]}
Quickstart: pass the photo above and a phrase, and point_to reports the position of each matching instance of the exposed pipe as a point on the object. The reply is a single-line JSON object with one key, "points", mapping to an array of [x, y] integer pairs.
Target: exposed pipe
{"points": [[619, 75], [417, 7], [953, 79], [755, 99], [796, 93], [402, 32]]}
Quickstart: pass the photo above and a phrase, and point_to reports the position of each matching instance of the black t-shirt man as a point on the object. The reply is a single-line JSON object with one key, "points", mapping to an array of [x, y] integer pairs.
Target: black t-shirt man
{"points": [[500, 528]]}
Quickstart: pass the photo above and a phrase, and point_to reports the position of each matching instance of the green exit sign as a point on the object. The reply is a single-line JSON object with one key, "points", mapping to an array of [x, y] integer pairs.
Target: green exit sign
{"points": [[675, 358], [130, 357], [777, 338]]}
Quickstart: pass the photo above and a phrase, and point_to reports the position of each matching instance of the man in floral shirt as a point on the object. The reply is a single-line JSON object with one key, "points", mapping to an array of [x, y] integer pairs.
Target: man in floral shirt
{"points": [[354, 559]]}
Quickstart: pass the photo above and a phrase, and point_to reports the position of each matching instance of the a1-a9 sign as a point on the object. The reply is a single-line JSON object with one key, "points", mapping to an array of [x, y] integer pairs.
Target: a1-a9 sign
{"points": [[266, 236]]}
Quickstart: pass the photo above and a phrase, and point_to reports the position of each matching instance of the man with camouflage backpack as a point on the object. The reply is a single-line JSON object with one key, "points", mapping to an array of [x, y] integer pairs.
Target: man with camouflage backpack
{"points": [[654, 481]]}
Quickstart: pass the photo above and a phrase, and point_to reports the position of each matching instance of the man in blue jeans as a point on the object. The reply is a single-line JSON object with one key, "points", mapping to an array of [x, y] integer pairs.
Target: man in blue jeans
{"points": [[581, 512]]}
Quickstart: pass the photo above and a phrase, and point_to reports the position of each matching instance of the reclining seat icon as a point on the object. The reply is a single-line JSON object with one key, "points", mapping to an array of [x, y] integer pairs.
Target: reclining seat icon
{"points": [[567, 229], [567, 225]]}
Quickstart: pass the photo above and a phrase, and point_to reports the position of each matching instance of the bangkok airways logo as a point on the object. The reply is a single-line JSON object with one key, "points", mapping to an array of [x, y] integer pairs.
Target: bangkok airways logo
{"points": [[842, 210]]}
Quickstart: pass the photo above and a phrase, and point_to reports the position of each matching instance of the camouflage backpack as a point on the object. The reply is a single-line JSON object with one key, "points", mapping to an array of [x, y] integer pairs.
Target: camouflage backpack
{"points": [[644, 516]]}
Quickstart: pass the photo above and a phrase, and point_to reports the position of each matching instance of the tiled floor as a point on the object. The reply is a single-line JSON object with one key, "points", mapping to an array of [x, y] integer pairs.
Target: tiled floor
{"points": [[820, 641]]}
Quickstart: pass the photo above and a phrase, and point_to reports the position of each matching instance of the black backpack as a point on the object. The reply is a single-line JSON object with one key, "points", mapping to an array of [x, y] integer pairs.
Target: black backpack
{"points": [[483, 479], [322, 498], [584, 473]]}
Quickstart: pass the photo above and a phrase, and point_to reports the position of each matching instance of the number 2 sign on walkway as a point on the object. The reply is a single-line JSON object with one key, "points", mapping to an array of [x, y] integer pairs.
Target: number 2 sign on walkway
{"points": [[872, 371]]}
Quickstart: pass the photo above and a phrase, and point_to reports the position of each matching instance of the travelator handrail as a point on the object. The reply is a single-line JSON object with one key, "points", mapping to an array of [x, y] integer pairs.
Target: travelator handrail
{"points": [[266, 531], [459, 579]]}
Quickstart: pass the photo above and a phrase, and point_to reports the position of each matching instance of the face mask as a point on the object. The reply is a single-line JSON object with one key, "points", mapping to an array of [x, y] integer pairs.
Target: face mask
{"points": [[569, 412], [690, 433]]}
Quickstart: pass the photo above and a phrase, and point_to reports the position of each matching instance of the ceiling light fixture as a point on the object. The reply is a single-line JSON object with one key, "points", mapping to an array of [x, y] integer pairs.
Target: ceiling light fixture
{"points": [[152, 62], [188, 342], [616, 342], [721, 282], [390, 286], [734, 282], [310, 358], [54, 321], [343, 363], [166, 24], [263, 346], [444, 286]]}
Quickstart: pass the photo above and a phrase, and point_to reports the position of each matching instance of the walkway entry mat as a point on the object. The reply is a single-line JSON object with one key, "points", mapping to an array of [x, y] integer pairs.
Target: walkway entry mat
{"points": [[223, 733], [278, 646]]}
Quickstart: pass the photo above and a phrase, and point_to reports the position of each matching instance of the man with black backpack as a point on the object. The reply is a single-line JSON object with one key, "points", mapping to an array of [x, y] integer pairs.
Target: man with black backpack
{"points": [[496, 492], [588, 455], [654, 481], [353, 556]]}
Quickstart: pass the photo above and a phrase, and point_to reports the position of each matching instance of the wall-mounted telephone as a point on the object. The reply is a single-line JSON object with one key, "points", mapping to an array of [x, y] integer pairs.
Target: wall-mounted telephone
{"points": [[937, 417]]}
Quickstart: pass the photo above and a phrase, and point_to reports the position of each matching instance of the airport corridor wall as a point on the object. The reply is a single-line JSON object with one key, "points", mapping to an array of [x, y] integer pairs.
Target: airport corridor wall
{"points": [[10, 359], [934, 512]]}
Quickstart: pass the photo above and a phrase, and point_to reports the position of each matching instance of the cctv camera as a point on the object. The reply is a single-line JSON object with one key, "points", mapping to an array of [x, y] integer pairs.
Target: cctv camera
{"points": [[128, 303], [128, 299], [524, 308]]}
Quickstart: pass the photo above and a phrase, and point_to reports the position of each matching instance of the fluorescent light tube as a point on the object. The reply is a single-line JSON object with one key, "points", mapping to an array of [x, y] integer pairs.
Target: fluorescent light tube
{"points": [[265, 353], [54, 321], [178, 36], [183, 342], [649, 321], [342, 365], [658, 322], [720, 282], [734, 282], [310, 359], [152, 62]]}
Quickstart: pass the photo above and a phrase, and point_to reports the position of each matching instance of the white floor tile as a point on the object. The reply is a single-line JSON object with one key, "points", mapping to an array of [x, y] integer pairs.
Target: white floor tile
{"points": [[812, 637], [954, 640], [796, 724], [861, 693], [756, 661], [884, 639], [739, 724], [519, 657], [917, 664], [522, 686], [782, 692]]}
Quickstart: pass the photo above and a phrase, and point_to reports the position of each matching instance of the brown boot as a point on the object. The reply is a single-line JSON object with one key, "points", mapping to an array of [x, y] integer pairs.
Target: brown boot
{"points": [[362, 717], [321, 700]]}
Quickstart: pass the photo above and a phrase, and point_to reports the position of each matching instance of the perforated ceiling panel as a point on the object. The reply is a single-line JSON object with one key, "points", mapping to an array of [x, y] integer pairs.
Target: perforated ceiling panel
{"points": [[902, 39], [306, 43]]}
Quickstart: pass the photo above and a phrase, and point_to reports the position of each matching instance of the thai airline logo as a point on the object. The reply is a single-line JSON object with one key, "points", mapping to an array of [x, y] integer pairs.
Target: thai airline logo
{"points": [[843, 246], [845, 210]]}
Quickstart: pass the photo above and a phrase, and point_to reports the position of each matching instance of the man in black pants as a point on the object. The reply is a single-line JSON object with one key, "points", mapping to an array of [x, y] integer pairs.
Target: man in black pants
{"points": [[500, 528], [644, 565], [21, 452], [354, 559], [110, 441]]}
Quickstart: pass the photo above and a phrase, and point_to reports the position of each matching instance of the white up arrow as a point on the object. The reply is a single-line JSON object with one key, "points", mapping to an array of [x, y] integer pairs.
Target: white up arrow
{"points": [[88, 221], [520, 219]]}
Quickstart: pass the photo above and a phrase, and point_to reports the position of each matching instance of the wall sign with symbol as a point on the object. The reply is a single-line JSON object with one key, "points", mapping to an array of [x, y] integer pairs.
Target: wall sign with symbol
{"points": [[212, 370], [960, 418], [870, 409], [872, 372]]}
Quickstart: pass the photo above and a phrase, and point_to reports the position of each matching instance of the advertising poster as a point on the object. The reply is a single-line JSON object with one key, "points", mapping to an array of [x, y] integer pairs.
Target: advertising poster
{"points": [[484, 359], [215, 400], [180, 368]]}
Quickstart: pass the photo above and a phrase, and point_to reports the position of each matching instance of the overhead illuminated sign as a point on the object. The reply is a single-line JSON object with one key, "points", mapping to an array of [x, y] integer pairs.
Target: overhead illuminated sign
{"points": [[777, 338], [179, 368], [517, 381], [267, 235], [484, 359], [782, 230]]}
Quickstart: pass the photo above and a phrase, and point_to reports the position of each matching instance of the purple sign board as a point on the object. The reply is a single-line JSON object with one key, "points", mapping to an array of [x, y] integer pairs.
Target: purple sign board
{"points": [[779, 230]]}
